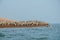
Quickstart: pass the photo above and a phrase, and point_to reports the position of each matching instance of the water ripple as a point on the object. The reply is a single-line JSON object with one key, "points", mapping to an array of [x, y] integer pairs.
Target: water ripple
{"points": [[2, 35]]}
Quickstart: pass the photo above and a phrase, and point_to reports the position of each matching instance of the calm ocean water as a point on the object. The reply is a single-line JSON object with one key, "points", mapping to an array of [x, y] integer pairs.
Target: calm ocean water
{"points": [[38, 33]]}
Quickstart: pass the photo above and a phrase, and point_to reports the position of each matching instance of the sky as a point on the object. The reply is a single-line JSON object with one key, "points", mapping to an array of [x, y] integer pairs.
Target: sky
{"points": [[42, 10]]}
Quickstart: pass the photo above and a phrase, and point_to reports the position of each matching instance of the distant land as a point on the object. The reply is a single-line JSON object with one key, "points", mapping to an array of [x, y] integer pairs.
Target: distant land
{"points": [[8, 23]]}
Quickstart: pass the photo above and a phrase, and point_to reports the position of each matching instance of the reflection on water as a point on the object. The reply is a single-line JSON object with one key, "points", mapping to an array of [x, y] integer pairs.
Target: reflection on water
{"points": [[40, 33]]}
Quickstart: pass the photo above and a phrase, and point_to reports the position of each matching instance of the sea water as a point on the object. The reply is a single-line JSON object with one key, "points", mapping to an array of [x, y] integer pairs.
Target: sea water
{"points": [[37, 33]]}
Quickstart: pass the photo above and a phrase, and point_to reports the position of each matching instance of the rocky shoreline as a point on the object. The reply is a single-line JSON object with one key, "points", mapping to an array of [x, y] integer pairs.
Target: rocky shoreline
{"points": [[15, 24]]}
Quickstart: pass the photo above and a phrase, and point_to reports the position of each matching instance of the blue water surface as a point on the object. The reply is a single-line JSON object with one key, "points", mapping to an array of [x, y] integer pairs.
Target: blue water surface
{"points": [[37, 33]]}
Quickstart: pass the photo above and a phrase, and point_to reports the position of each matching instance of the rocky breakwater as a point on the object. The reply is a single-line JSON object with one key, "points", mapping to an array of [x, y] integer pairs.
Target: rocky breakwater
{"points": [[7, 23]]}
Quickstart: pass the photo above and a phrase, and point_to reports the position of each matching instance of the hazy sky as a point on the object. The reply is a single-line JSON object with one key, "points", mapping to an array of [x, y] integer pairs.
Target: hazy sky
{"points": [[43, 10]]}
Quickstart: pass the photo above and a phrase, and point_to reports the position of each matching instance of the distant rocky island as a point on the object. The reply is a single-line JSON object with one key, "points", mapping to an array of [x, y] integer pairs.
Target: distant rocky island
{"points": [[7, 23]]}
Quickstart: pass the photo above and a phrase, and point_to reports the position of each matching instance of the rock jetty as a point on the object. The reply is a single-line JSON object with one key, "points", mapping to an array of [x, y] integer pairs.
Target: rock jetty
{"points": [[7, 23]]}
